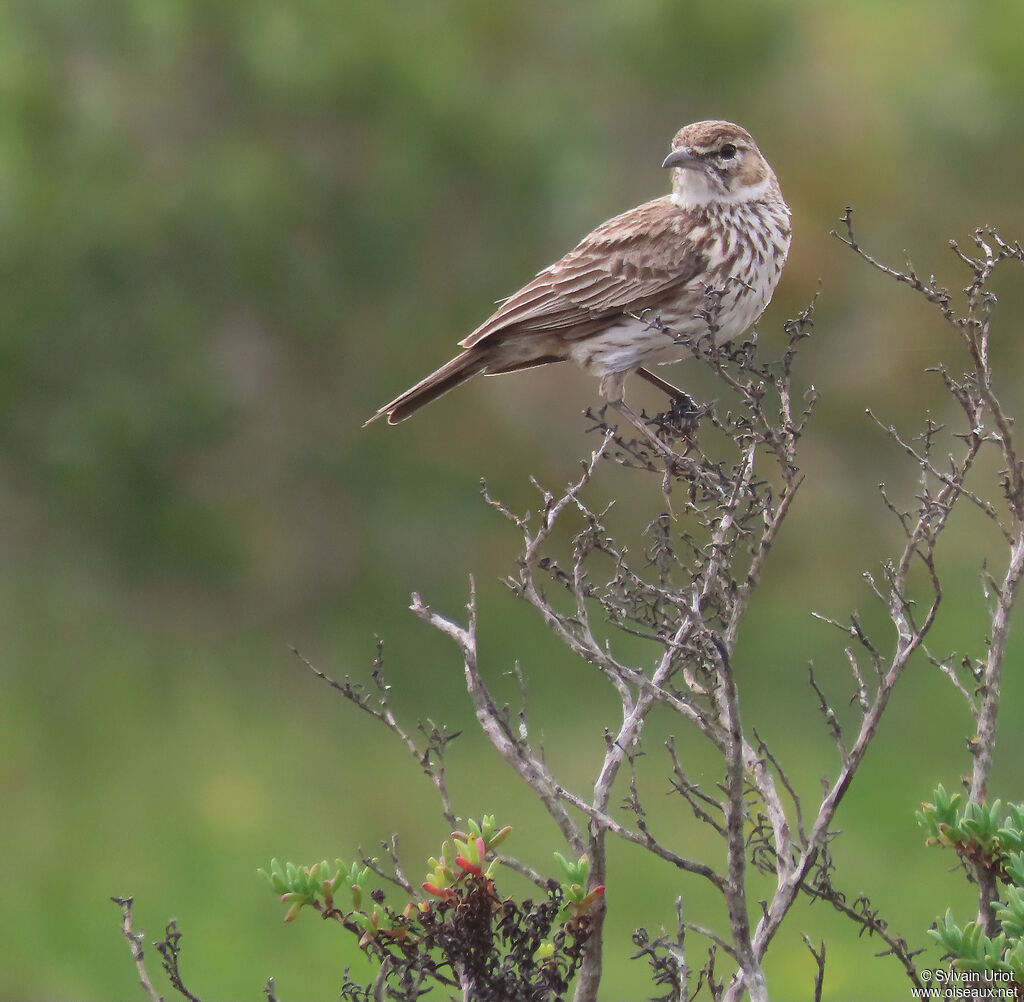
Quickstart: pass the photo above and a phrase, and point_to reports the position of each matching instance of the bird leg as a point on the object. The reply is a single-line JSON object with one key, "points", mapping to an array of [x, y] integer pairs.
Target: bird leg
{"points": [[682, 404], [663, 384], [611, 390]]}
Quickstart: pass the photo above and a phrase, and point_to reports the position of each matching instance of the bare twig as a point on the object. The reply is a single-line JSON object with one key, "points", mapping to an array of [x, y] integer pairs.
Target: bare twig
{"points": [[169, 949], [430, 758], [864, 915], [987, 424], [396, 875], [495, 725], [135, 941], [819, 963]]}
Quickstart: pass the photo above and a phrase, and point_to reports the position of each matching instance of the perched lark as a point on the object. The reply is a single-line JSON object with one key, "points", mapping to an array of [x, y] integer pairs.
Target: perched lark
{"points": [[632, 292]]}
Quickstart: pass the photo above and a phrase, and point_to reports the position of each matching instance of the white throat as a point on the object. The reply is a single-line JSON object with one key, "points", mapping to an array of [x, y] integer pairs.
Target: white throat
{"points": [[692, 189]]}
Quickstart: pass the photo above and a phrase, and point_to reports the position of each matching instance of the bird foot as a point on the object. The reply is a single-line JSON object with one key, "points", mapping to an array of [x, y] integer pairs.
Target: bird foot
{"points": [[683, 412], [658, 443], [682, 418]]}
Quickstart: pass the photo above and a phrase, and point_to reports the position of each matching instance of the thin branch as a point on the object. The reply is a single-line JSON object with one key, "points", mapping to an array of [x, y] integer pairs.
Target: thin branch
{"points": [[868, 919], [170, 952], [396, 875], [819, 962], [518, 866], [608, 823], [496, 726], [135, 941], [987, 422], [750, 972], [429, 758]]}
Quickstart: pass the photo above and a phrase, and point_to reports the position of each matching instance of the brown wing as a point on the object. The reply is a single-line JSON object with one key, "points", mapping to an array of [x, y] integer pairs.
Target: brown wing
{"points": [[626, 265]]}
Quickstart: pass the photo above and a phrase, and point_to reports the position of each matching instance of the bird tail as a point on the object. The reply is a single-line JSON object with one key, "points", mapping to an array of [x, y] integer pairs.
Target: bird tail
{"points": [[458, 370]]}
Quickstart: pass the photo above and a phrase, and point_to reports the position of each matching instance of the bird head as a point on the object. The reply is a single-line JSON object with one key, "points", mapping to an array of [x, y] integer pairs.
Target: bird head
{"points": [[717, 162]]}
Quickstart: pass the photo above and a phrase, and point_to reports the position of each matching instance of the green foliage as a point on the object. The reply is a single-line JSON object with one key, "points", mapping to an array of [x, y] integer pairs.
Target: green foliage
{"points": [[972, 950], [464, 933], [939, 816], [305, 885], [989, 836], [986, 830], [465, 854], [578, 898]]}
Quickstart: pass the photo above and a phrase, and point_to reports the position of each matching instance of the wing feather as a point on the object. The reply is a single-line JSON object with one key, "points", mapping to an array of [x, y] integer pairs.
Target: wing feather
{"points": [[628, 264]]}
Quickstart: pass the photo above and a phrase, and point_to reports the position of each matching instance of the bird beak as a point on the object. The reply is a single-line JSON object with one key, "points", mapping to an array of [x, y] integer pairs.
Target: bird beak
{"points": [[682, 156]]}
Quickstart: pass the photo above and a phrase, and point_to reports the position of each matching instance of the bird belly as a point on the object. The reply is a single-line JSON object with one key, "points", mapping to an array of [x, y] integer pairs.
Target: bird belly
{"points": [[624, 346]]}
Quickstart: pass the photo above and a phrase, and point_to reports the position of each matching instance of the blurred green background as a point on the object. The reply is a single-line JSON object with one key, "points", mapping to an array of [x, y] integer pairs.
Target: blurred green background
{"points": [[230, 231]]}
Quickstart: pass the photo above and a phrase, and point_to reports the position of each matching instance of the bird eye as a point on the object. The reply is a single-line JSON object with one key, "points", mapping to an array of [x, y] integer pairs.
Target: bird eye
{"points": [[727, 152]]}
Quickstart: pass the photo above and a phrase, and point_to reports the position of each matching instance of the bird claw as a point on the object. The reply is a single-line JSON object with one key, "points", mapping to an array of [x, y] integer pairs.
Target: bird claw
{"points": [[683, 409], [681, 420]]}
